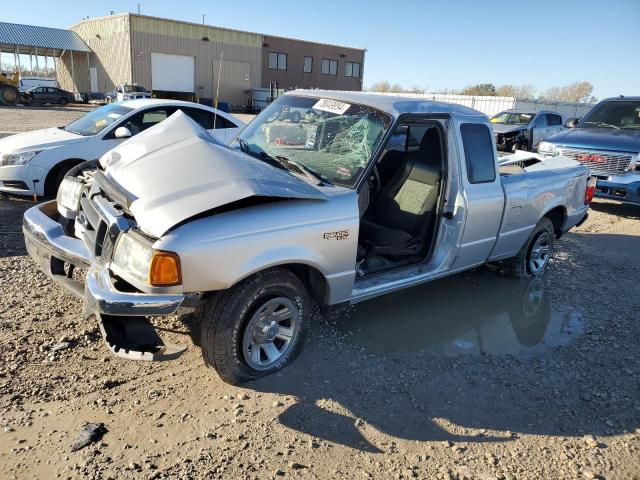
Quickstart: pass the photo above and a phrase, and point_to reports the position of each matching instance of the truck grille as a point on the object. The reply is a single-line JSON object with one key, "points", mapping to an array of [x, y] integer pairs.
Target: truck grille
{"points": [[102, 222], [600, 163]]}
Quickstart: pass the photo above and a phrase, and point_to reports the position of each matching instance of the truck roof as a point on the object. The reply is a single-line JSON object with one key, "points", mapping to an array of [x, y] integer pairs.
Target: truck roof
{"points": [[393, 104], [620, 99]]}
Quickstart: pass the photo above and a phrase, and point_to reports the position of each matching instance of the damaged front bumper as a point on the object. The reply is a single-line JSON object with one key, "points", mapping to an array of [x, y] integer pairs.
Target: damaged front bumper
{"points": [[121, 314], [624, 187]]}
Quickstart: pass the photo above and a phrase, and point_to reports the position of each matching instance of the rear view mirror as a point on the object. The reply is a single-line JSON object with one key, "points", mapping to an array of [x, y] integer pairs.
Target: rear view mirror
{"points": [[123, 132], [571, 122]]}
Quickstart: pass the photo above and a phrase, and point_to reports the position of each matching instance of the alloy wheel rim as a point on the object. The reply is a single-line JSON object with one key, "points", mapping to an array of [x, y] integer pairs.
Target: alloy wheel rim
{"points": [[269, 334], [540, 253]]}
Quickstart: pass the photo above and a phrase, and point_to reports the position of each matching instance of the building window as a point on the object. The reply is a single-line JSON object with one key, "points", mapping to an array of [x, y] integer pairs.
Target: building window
{"points": [[329, 67], [277, 61], [352, 69], [308, 64]]}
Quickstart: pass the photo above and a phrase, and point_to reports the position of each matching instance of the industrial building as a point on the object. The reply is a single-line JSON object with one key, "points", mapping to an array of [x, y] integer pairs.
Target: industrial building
{"points": [[183, 60]]}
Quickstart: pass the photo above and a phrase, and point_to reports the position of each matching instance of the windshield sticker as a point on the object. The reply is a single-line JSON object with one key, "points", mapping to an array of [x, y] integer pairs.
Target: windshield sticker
{"points": [[331, 106], [100, 122], [114, 115]]}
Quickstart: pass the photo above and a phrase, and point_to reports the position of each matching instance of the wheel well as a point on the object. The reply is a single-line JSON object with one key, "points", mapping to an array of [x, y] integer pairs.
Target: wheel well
{"points": [[49, 182], [557, 216], [313, 280]]}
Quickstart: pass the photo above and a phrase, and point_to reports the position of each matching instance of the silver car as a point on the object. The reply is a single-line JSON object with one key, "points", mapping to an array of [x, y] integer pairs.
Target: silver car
{"points": [[525, 129], [371, 195]]}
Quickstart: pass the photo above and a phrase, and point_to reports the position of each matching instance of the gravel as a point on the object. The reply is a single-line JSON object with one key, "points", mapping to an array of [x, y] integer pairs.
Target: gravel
{"points": [[347, 407]]}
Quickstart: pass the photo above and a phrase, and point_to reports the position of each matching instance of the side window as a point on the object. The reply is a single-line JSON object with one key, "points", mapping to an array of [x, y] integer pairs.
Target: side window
{"points": [[540, 121], [553, 120], [202, 117], [148, 118], [478, 153], [222, 122]]}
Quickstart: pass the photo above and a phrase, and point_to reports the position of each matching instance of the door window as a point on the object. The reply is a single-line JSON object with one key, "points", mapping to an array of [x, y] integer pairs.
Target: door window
{"points": [[540, 122], [478, 152], [146, 119], [553, 120]]}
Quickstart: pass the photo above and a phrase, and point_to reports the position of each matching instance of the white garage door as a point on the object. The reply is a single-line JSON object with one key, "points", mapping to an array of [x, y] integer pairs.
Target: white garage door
{"points": [[172, 73]]}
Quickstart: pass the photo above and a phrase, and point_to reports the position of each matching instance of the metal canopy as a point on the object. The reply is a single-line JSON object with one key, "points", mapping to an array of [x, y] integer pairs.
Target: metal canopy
{"points": [[38, 40]]}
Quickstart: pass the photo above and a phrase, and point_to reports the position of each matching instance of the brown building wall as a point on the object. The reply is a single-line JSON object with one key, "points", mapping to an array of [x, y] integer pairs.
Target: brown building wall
{"points": [[241, 55], [294, 75], [109, 39]]}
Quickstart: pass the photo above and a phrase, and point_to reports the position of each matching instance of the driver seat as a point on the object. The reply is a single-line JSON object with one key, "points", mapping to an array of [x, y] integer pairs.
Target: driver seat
{"points": [[403, 214]]}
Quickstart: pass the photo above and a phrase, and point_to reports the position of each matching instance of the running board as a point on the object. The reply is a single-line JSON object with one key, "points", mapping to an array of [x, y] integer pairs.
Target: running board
{"points": [[134, 338]]}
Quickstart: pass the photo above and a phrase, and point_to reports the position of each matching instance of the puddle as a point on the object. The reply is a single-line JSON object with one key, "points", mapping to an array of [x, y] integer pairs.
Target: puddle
{"points": [[477, 313]]}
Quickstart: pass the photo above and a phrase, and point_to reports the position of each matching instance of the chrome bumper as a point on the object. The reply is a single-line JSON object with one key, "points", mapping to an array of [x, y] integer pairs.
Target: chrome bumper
{"points": [[52, 249]]}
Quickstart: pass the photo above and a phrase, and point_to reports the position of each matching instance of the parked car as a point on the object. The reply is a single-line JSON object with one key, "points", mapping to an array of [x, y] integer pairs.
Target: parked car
{"points": [[34, 163], [27, 83], [126, 92], [250, 236], [42, 95], [524, 129], [607, 140]]}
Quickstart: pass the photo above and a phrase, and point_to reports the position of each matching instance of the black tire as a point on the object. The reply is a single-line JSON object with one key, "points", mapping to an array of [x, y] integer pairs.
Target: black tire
{"points": [[520, 266], [225, 318], [56, 175], [9, 95], [63, 101]]}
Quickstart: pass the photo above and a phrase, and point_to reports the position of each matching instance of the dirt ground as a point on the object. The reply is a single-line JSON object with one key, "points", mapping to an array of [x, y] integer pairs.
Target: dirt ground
{"points": [[472, 377]]}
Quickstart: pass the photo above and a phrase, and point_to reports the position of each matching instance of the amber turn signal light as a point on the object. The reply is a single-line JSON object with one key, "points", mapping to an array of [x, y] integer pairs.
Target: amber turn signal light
{"points": [[165, 269]]}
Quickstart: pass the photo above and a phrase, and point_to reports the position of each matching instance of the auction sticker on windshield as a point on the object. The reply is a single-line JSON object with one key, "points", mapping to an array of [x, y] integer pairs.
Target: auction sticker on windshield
{"points": [[331, 106]]}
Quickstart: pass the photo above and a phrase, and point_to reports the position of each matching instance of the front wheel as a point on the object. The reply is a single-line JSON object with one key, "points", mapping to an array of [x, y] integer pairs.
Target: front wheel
{"points": [[534, 257], [256, 327]]}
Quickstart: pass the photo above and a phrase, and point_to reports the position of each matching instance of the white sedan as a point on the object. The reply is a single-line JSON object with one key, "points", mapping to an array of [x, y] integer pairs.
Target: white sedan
{"points": [[34, 163]]}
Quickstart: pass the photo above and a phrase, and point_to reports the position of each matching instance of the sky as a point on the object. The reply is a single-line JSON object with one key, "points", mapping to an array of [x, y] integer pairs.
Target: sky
{"points": [[434, 45]]}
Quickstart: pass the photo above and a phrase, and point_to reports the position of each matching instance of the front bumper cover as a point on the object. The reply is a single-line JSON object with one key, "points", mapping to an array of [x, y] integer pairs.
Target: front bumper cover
{"points": [[54, 252], [624, 188]]}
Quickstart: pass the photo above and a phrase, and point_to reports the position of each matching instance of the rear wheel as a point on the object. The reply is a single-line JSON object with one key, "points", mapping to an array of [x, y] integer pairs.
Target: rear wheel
{"points": [[9, 95], [63, 101], [534, 257], [256, 327]]}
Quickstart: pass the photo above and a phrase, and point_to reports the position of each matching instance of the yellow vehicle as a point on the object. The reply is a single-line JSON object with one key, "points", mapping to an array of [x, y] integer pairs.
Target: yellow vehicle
{"points": [[9, 94]]}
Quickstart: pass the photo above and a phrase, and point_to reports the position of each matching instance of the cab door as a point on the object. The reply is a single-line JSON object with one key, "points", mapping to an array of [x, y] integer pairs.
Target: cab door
{"points": [[539, 130], [483, 197]]}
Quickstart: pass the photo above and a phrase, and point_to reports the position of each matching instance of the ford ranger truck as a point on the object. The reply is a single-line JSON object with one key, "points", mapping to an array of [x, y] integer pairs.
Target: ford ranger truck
{"points": [[366, 195], [607, 140]]}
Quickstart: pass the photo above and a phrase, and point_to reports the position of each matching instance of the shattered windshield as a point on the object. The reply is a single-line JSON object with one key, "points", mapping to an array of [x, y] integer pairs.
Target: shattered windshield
{"points": [[510, 118], [328, 140]]}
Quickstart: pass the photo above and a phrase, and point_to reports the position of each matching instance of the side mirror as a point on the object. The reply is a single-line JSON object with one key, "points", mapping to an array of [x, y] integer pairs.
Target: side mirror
{"points": [[122, 132], [571, 122]]}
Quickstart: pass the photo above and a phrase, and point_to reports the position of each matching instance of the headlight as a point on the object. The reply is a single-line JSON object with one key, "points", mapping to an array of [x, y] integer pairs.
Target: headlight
{"points": [[17, 158], [69, 197], [152, 267], [547, 148]]}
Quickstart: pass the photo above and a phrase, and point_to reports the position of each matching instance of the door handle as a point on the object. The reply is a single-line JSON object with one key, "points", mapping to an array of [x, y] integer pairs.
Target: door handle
{"points": [[448, 215]]}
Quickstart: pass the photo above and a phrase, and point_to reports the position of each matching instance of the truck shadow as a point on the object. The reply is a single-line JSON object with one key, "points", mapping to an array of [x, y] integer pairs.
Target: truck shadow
{"points": [[617, 209], [480, 361]]}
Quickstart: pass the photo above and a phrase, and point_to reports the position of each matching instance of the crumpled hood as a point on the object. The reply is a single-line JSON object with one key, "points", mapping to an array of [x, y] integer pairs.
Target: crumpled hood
{"points": [[39, 140], [623, 140], [504, 128], [175, 170]]}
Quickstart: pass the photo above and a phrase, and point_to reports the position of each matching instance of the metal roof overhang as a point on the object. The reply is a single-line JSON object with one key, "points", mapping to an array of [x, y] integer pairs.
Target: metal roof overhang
{"points": [[32, 40]]}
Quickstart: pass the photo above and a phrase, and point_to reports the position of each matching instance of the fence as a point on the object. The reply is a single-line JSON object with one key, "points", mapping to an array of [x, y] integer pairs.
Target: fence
{"points": [[492, 105]]}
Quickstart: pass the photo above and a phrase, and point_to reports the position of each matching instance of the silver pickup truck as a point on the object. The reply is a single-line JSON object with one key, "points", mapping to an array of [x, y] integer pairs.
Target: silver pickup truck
{"points": [[362, 195]]}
